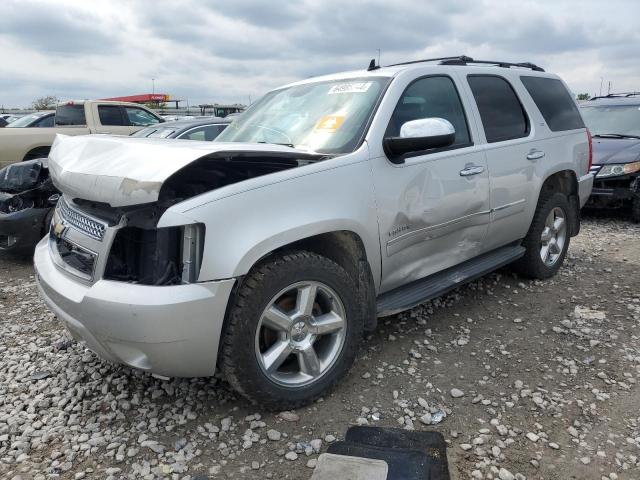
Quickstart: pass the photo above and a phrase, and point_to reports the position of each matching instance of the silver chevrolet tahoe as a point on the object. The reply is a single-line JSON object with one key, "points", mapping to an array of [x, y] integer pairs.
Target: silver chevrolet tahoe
{"points": [[329, 203]]}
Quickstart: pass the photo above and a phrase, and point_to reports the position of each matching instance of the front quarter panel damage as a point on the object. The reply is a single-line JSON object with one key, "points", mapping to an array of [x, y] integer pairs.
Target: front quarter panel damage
{"points": [[245, 224]]}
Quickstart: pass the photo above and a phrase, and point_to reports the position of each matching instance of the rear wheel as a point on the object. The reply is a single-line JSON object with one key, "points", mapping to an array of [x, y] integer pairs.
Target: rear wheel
{"points": [[293, 330], [547, 241]]}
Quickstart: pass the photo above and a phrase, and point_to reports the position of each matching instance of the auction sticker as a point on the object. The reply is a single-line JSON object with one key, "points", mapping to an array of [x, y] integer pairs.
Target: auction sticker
{"points": [[329, 123], [353, 87]]}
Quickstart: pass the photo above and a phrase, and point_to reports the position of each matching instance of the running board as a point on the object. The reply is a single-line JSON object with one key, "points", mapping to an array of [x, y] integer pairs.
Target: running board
{"points": [[415, 293]]}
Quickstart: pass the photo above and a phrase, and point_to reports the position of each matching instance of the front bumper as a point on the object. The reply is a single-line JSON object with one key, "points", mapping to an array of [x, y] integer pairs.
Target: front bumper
{"points": [[614, 190], [172, 331], [20, 231]]}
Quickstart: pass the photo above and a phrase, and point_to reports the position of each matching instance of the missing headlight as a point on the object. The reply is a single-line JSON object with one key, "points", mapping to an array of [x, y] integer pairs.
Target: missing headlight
{"points": [[162, 256]]}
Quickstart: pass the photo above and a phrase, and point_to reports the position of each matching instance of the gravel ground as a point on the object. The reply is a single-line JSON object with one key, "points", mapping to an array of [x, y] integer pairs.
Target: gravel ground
{"points": [[537, 380]]}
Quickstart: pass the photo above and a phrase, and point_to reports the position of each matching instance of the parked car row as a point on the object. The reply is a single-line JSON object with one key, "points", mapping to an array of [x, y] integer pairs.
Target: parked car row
{"points": [[27, 195], [73, 118]]}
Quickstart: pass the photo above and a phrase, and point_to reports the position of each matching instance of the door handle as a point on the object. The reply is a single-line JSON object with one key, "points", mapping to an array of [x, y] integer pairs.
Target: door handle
{"points": [[535, 155], [471, 170]]}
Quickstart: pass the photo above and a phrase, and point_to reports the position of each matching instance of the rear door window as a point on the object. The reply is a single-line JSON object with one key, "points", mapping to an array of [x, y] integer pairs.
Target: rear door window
{"points": [[70, 114], [503, 116], [110, 115], [554, 102]]}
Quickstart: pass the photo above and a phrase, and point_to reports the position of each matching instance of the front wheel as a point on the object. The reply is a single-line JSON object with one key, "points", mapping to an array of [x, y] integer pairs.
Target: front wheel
{"points": [[547, 241], [293, 330]]}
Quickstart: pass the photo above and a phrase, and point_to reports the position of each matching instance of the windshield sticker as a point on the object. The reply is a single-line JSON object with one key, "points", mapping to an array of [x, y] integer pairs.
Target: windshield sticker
{"points": [[356, 87], [329, 123]]}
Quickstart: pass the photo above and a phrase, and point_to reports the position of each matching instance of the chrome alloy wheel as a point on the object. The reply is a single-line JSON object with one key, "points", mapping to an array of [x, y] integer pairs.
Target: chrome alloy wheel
{"points": [[300, 334], [554, 236]]}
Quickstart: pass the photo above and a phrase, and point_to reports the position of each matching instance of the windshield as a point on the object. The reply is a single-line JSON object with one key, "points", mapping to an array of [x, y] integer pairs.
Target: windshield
{"points": [[24, 121], [324, 117], [617, 119]]}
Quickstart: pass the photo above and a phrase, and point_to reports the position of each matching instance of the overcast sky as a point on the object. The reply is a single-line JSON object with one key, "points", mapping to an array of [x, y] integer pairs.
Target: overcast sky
{"points": [[230, 50]]}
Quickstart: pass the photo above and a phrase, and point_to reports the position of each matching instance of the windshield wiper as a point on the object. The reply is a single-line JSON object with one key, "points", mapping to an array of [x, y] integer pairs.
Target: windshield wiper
{"points": [[291, 145], [616, 135]]}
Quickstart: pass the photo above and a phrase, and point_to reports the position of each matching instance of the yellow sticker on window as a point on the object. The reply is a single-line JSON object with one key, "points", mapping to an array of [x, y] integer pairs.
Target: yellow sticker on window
{"points": [[329, 123]]}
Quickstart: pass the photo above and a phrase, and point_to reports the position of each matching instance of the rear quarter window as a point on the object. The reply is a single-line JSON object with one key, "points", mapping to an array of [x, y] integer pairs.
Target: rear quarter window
{"points": [[70, 115], [554, 102]]}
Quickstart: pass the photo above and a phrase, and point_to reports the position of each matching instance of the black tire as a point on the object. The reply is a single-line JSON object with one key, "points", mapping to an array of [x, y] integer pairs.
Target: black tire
{"points": [[531, 264], [635, 209], [238, 357]]}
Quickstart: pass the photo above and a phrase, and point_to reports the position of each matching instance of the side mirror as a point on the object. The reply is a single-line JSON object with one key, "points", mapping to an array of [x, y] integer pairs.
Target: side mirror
{"points": [[418, 135]]}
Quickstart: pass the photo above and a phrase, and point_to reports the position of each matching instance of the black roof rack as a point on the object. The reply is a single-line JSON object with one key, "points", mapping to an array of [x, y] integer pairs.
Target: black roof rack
{"points": [[617, 95], [464, 60]]}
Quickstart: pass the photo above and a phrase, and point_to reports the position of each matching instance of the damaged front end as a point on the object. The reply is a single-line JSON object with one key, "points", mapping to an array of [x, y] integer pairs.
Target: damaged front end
{"points": [[27, 196], [121, 241]]}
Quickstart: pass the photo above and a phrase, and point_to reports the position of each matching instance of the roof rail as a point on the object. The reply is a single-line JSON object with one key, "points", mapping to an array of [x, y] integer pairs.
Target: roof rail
{"points": [[617, 95], [464, 60]]}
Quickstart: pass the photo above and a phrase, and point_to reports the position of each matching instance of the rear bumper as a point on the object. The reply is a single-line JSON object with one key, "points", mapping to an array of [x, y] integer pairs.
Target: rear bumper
{"points": [[20, 231], [172, 331]]}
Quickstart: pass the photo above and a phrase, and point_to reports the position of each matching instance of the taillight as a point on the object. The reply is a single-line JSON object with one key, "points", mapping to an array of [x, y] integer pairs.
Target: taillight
{"points": [[590, 150]]}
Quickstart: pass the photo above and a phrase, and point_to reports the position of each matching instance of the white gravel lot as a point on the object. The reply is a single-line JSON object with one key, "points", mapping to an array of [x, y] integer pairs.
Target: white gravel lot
{"points": [[538, 380]]}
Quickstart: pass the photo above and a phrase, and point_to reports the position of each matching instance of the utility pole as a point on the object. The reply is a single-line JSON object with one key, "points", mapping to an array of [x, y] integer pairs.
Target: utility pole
{"points": [[378, 56], [153, 85], [609, 90]]}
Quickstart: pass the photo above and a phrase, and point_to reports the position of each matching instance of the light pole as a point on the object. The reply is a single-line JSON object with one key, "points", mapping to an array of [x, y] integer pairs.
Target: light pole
{"points": [[153, 85]]}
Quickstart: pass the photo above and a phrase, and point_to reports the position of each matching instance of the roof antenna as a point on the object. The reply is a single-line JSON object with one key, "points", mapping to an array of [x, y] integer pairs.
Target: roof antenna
{"points": [[372, 63]]}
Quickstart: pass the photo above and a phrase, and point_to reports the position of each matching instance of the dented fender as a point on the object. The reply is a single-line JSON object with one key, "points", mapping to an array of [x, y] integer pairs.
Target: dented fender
{"points": [[248, 220]]}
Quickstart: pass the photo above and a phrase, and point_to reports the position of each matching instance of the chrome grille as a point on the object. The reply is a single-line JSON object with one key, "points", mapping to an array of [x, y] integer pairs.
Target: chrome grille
{"points": [[81, 222]]}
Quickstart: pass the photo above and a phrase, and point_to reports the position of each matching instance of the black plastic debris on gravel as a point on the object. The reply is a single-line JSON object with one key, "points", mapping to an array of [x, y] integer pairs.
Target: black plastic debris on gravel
{"points": [[410, 455]]}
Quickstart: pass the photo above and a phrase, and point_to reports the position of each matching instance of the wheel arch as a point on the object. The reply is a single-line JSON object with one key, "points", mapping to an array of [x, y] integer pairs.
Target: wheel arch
{"points": [[41, 151], [566, 182], [346, 248]]}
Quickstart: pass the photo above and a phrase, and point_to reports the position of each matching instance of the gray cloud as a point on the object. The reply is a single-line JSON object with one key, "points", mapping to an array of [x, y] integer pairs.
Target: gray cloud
{"points": [[226, 50], [51, 28]]}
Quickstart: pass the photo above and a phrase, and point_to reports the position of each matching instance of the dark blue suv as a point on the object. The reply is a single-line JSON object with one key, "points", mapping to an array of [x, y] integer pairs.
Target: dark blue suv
{"points": [[614, 122]]}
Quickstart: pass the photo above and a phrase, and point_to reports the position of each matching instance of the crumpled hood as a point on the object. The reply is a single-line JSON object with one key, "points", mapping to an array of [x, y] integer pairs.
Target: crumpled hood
{"points": [[615, 150], [124, 171]]}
